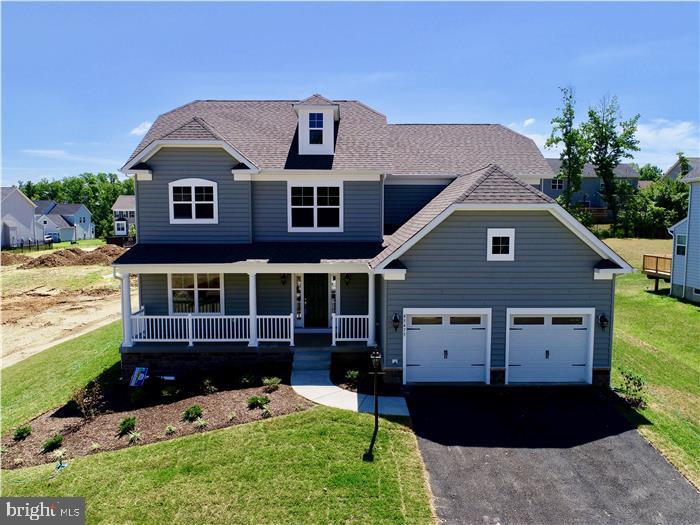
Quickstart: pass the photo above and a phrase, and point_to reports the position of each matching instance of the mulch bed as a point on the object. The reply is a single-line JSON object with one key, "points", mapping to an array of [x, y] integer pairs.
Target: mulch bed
{"points": [[80, 434]]}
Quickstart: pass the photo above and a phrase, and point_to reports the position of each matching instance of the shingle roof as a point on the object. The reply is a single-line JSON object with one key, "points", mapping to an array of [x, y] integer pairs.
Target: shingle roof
{"points": [[488, 185], [627, 171], [44, 206], [67, 209], [58, 220], [6, 190], [125, 202], [315, 99]]}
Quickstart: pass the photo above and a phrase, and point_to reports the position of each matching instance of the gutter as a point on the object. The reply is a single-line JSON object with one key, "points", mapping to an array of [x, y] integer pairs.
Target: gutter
{"points": [[687, 240]]}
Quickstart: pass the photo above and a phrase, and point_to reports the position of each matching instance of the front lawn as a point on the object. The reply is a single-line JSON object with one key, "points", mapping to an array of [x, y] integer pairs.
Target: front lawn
{"points": [[656, 337], [301, 468]]}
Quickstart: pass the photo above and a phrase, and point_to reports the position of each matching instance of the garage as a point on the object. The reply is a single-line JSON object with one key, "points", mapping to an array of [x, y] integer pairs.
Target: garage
{"points": [[446, 346], [549, 346]]}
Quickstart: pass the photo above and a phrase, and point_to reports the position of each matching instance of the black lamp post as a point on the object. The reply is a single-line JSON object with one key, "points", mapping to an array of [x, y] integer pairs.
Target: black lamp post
{"points": [[376, 359]]}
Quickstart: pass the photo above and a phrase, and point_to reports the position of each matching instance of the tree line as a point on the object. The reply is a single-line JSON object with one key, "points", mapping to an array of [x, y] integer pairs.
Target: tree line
{"points": [[96, 191], [604, 140]]}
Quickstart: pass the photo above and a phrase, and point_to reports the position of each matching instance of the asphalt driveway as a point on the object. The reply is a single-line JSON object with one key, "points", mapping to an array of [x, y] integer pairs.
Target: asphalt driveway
{"points": [[540, 456]]}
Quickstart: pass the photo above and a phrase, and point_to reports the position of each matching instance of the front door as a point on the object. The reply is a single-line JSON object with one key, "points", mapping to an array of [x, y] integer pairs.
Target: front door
{"points": [[315, 300]]}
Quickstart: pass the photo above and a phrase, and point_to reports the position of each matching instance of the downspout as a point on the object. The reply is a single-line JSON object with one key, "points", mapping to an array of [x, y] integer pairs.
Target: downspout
{"points": [[687, 239]]}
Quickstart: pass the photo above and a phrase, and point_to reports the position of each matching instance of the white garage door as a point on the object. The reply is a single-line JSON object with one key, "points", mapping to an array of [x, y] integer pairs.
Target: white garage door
{"points": [[549, 348], [446, 347]]}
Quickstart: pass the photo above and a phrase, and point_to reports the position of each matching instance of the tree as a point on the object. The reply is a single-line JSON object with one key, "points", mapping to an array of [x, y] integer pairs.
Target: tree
{"points": [[651, 211], [683, 164], [650, 172], [575, 147], [611, 139]]}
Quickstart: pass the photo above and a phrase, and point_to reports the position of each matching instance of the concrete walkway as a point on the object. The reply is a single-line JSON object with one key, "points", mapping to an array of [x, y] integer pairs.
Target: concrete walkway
{"points": [[311, 379]]}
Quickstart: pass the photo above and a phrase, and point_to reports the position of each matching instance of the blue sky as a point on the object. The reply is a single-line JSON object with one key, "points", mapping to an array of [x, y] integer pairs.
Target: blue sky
{"points": [[81, 82]]}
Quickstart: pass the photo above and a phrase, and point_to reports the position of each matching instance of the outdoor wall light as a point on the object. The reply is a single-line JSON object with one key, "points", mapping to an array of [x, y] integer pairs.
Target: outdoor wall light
{"points": [[603, 321], [347, 279], [283, 279], [395, 322]]}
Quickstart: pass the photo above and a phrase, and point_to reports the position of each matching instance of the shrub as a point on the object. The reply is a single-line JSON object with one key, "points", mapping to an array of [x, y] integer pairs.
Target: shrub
{"points": [[169, 430], [248, 380], [22, 433], [134, 437], [352, 376], [258, 401], [126, 425], [59, 455], [199, 423], [208, 387], [265, 413], [271, 384], [52, 443], [192, 413], [632, 388], [89, 399]]}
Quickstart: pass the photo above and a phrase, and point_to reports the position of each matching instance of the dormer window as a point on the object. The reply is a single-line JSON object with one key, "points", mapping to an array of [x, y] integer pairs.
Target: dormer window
{"points": [[315, 128]]}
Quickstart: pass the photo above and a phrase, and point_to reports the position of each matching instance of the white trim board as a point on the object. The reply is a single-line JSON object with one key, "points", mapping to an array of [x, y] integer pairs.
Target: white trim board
{"points": [[311, 176], [246, 267]]}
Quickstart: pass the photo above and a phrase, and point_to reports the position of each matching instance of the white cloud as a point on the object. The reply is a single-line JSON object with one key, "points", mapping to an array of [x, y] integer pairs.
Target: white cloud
{"points": [[141, 129], [660, 140], [528, 122], [60, 154]]}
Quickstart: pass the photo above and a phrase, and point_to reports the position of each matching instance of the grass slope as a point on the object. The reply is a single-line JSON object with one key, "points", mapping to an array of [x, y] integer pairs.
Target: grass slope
{"points": [[302, 468], [48, 379]]}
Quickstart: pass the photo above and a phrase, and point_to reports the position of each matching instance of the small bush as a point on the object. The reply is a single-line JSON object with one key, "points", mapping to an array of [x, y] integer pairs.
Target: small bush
{"points": [[52, 443], [169, 430], [265, 414], [208, 387], [248, 380], [22, 433], [232, 416], [134, 437], [258, 402], [126, 425], [199, 423], [192, 413], [89, 399], [352, 376], [94, 447], [271, 384], [59, 455], [633, 388]]}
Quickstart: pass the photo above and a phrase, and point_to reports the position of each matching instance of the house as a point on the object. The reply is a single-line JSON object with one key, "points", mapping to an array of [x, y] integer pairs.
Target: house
{"points": [[263, 221], [17, 218], [591, 193], [67, 222], [124, 214], [675, 170], [685, 266]]}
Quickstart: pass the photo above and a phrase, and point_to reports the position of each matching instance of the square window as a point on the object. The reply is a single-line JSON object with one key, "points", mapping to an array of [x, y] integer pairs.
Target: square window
{"points": [[328, 196], [328, 217], [204, 194], [303, 196], [315, 120], [183, 301], [315, 136], [557, 184], [132, 214], [182, 211], [182, 193], [302, 217], [209, 301], [500, 245], [204, 211]]}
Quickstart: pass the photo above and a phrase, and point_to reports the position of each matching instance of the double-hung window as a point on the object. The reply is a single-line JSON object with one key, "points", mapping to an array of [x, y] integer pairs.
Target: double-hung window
{"points": [[681, 242], [557, 184], [193, 201], [500, 244], [198, 293], [315, 208], [315, 128]]}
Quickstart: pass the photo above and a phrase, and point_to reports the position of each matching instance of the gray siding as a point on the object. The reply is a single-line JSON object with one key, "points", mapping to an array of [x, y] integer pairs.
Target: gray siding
{"points": [[214, 164], [448, 268], [690, 228], [153, 290], [274, 298], [590, 191], [353, 297], [236, 293], [678, 267], [403, 201], [361, 214], [18, 214]]}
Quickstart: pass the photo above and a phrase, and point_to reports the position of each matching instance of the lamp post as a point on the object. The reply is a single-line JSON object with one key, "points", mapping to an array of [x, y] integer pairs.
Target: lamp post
{"points": [[376, 358]]}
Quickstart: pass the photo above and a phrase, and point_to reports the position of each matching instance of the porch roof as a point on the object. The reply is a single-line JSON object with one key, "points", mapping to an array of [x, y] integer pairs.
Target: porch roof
{"points": [[271, 252]]}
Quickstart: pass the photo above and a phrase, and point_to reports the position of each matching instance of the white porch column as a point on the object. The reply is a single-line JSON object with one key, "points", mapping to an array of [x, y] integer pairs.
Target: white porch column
{"points": [[370, 310], [126, 310], [253, 308]]}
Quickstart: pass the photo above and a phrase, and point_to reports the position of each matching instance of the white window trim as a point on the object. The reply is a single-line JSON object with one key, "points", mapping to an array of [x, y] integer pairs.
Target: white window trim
{"points": [[558, 184], [192, 183], [196, 298], [684, 244], [315, 185], [500, 232], [120, 227]]}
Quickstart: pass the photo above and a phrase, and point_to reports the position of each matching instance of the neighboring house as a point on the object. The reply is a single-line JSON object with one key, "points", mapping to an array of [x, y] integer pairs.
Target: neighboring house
{"points": [[591, 193], [675, 170], [260, 221], [17, 218], [685, 268], [124, 214], [69, 221]]}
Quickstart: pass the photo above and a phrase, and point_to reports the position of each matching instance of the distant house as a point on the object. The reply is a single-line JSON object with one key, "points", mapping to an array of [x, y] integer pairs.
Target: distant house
{"points": [[685, 269], [674, 171], [67, 221], [591, 193], [17, 218], [124, 214]]}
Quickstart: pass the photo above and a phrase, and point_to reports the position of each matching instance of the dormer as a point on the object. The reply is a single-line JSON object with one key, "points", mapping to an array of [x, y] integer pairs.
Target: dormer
{"points": [[317, 117]]}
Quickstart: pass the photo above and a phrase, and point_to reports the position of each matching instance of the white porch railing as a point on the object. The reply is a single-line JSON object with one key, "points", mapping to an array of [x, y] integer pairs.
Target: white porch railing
{"points": [[349, 328], [210, 328]]}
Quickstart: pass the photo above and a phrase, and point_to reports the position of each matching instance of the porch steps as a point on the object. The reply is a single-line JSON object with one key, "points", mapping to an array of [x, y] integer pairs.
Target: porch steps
{"points": [[312, 359]]}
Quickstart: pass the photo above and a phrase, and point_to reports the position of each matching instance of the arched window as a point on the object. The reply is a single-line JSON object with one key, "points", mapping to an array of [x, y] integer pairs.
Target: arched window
{"points": [[193, 201]]}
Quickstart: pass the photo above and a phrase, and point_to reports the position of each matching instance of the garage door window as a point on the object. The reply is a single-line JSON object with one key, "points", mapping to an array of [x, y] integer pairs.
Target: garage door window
{"points": [[465, 320], [528, 320], [567, 320], [423, 320]]}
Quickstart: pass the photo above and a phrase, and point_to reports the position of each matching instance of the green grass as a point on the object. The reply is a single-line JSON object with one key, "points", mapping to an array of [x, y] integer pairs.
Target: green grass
{"points": [[656, 336], [87, 243], [70, 278], [302, 468], [632, 250], [48, 379]]}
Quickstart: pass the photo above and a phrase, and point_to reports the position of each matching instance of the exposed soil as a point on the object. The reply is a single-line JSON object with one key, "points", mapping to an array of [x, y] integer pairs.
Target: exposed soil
{"points": [[102, 255], [9, 258], [80, 435]]}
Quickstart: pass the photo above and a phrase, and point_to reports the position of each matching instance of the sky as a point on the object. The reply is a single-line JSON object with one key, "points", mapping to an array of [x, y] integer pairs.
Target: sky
{"points": [[81, 82]]}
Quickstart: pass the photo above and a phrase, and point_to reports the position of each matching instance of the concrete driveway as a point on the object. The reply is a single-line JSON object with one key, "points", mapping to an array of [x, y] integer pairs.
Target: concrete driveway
{"points": [[541, 456]]}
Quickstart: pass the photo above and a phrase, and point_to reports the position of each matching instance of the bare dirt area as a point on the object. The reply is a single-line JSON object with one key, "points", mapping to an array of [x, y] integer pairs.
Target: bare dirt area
{"points": [[54, 297]]}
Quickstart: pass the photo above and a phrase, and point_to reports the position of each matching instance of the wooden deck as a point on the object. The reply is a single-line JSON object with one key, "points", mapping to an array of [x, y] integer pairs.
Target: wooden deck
{"points": [[657, 267]]}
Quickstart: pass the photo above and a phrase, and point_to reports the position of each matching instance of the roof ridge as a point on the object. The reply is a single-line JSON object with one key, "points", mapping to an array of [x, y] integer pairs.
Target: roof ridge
{"points": [[524, 185], [489, 169], [196, 119], [444, 124]]}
